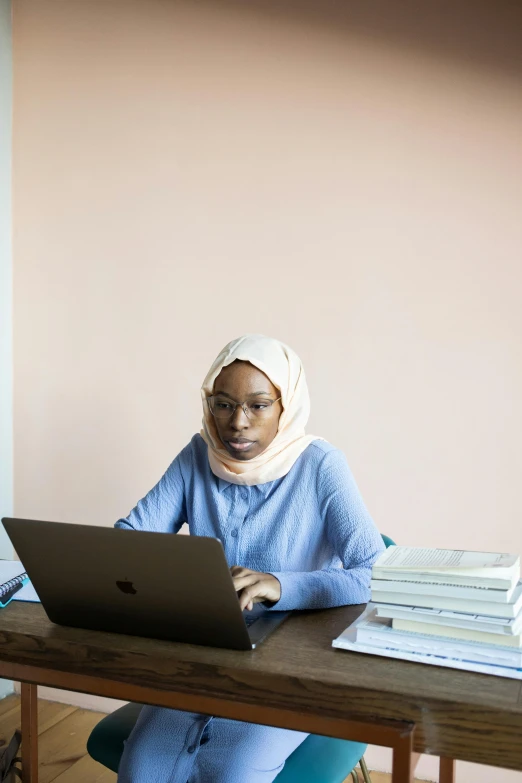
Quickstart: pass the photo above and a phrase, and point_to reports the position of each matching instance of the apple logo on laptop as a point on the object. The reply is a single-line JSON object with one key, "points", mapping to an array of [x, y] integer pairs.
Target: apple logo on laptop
{"points": [[126, 587]]}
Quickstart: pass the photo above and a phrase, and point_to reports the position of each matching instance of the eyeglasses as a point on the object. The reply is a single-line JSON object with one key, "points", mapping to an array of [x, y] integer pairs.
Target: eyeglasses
{"points": [[223, 408]]}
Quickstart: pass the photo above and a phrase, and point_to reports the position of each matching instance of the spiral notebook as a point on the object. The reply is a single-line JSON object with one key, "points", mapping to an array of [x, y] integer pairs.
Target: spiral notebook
{"points": [[15, 584]]}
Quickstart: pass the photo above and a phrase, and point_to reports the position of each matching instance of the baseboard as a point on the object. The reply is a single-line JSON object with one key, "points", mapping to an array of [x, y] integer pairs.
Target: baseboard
{"points": [[6, 687], [380, 759], [83, 700]]}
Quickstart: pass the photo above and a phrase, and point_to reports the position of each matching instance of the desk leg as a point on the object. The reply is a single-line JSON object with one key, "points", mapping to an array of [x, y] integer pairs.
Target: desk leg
{"points": [[404, 760], [29, 694], [447, 770]]}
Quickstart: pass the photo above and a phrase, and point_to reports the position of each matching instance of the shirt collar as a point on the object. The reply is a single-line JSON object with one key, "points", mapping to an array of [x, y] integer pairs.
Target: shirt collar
{"points": [[264, 489]]}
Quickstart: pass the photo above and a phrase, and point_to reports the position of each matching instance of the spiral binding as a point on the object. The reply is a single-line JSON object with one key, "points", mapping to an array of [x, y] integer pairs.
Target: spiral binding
{"points": [[8, 586]]}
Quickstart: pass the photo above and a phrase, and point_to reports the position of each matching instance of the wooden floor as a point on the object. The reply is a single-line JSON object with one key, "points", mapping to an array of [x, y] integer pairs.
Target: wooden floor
{"points": [[62, 735]]}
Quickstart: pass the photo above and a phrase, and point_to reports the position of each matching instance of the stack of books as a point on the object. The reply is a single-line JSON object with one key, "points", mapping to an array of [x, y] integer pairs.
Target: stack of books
{"points": [[445, 607]]}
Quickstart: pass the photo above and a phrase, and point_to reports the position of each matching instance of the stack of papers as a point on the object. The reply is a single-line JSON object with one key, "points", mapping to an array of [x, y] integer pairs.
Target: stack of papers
{"points": [[374, 635], [444, 607]]}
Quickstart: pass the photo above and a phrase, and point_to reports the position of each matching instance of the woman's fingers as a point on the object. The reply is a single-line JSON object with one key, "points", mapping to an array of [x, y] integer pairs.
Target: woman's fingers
{"points": [[254, 587], [250, 590], [242, 581], [250, 596]]}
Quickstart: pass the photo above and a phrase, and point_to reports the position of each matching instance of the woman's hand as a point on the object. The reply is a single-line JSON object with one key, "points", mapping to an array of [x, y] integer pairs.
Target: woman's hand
{"points": [[254, 587]]}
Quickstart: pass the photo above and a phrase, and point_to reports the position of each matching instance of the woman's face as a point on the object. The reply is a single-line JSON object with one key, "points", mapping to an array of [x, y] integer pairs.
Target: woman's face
{"points": [[245, 437]]}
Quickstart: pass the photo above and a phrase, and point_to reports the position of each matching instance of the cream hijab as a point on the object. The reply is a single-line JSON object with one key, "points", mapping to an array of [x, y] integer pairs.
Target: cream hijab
{"points": [[284, 368]]}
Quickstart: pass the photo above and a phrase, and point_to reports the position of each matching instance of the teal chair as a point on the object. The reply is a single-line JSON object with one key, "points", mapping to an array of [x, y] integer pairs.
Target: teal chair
{"points": [[317, 760]]}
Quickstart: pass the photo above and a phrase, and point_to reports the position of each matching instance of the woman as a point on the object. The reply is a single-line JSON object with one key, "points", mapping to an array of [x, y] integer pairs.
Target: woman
{"points": [[295, 532]]}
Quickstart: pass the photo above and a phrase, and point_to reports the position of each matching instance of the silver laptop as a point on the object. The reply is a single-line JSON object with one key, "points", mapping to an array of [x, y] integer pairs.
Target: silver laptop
{"points": [[157, 585]]}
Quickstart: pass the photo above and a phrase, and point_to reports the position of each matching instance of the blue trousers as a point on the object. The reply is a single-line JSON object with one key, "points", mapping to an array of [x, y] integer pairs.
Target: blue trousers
{"points": [[169, 746]]}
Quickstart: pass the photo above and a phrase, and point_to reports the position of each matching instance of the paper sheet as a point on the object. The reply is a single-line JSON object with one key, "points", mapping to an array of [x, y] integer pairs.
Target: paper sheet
{"points": [[9, 569], [414, 558]]}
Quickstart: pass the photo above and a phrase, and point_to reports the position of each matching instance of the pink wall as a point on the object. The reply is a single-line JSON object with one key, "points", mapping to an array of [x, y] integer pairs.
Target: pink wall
{"points": [[349, 182]]}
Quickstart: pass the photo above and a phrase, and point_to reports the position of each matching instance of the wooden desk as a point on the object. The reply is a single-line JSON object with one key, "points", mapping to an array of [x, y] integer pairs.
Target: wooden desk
{"points": [[295, 680]]}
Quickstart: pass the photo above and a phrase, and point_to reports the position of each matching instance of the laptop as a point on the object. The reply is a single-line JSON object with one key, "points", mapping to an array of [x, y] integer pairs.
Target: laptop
{"points": [[158, 585]]}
